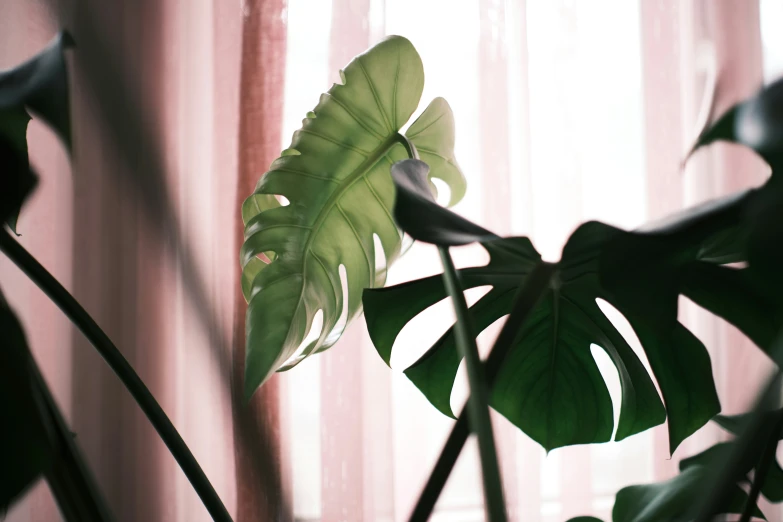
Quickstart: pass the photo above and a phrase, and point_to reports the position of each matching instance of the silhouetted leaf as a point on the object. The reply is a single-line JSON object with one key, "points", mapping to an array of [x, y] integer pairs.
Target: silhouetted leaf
{"points": [[756, 122], [25, 449], [39, 85]]}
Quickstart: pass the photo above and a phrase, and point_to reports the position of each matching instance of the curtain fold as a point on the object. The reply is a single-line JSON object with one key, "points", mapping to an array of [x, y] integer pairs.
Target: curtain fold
{"points": [[257, 426]]}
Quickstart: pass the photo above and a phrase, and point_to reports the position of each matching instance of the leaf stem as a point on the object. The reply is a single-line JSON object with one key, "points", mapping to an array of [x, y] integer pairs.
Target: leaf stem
{"points": [[114, 358], [536, 283], [762, 469], [410, 148], [478, 401]]}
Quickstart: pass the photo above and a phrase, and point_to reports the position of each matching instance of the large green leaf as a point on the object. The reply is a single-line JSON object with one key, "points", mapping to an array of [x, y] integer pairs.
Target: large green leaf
{"points": [[335, 176], [41, 86], [549, 385], [25, 449]]}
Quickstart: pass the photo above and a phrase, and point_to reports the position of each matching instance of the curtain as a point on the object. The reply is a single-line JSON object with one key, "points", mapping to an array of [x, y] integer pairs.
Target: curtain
{"points": [[566, 111], [143, 228]]}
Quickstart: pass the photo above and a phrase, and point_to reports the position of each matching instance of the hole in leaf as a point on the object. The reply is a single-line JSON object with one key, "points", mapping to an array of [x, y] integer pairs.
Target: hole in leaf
{"points": [[444, 191], [315, 332], [474, 294], [282, 200], [380, 260], [738, 265], [484, 340], [470, 255], [337, 331], [267, 257], [611, 378], [427, 327], [290, 152], [622, 325], [406, 243]]}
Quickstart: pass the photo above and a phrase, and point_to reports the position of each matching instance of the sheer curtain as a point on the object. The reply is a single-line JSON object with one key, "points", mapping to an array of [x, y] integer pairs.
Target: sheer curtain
{"points": [[566, 111]]}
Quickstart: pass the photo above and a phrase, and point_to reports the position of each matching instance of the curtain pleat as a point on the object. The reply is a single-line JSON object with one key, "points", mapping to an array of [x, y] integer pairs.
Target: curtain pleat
{"points": [[257, 426]]}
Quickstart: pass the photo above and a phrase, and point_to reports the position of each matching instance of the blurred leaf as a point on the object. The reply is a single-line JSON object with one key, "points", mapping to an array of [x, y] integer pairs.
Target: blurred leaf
{"points": [[335, 176], [773, 483], [41, 86], [17, 181], [584, 519], [756, 123], [25, 449], [734, 424], [671, 500]]}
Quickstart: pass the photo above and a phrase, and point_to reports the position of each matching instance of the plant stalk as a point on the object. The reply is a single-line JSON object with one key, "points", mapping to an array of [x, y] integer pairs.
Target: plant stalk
{"points": [[478, 401], [762, 469], [537, 282], [114, 358]]}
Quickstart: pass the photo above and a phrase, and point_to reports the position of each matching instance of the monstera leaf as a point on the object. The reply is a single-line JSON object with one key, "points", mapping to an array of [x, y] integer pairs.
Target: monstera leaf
{"points": [[41, 86], [549, 384], [25, 449], [689, 249], [335, 177]]}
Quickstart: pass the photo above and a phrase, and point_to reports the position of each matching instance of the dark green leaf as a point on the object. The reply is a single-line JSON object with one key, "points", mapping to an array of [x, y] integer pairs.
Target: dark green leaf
{"points": [[41, 86], [17, 181], [773, 483], [417, 213], [25, 449], [737, 296], [734, 424], [336, 177], [671, 500], [549, 384], [756, 123]]}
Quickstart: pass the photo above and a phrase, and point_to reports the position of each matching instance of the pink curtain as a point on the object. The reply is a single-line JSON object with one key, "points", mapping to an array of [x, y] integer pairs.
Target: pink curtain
{"points": [[560, 106], [157, 91]]}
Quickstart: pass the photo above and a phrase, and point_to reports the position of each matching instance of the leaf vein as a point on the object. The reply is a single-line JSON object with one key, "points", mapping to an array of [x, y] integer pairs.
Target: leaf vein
{"points": [[375, 96]]}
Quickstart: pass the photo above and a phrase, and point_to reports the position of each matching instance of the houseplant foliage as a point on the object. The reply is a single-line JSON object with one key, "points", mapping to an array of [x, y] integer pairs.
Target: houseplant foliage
{"points": [[39, 85], [35, 440], [335, 177], [548, 384], [749, 298], [24, 444]]}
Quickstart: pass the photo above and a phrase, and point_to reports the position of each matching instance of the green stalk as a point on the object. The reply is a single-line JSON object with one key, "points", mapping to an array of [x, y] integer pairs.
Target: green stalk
{"points": [[536, 284], [76, 313], [478, 401]]}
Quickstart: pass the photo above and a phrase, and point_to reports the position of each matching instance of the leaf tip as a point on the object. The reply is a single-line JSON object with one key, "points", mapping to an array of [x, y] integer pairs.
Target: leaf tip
{"points": [[251, 386]]}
